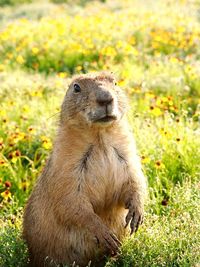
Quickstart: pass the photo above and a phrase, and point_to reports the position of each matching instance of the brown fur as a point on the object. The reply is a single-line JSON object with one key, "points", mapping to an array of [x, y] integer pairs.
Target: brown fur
{"points": [[77, 210]]}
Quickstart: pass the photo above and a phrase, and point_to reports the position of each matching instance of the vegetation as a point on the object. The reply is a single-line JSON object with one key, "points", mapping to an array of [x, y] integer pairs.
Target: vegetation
{"points": [[154, 50]]}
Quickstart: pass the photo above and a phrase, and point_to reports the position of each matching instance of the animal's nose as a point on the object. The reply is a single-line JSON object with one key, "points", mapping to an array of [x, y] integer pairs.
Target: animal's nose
{"points": [[104, 98]]}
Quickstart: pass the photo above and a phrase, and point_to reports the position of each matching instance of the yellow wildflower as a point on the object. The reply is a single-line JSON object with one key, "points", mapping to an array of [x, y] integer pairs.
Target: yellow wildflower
{"points": [[9, 55], [122, 82], [36, 93], [20, 59], [6, 194], [159, 164], [31, 130], [79, 68], [2, 67], [62, 75], [3, 163], [26, 108], [46, 142], [35, 50], [24, 185], [14, 156], [2, 112], [165, 133], [155, 111], [145, 160], [174, 60]]}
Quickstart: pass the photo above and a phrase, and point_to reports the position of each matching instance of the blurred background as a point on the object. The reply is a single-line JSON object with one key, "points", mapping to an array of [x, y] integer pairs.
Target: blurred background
{"points": [[153, 49]]}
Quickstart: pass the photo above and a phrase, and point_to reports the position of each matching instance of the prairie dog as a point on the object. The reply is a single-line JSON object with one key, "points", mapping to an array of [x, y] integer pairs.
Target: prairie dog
{"points": [[92, 189]]}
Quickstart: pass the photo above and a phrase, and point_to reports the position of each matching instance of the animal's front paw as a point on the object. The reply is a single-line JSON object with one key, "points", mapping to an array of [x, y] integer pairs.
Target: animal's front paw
{"points": [[108, 240], [134, 217], [75, 265]]}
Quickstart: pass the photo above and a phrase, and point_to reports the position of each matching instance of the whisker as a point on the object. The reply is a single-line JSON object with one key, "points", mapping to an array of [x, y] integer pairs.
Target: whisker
{"points": [[53, 115]]}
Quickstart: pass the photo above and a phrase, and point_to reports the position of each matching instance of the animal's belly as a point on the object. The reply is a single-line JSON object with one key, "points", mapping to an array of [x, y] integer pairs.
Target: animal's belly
{"points": [[103, 183]]}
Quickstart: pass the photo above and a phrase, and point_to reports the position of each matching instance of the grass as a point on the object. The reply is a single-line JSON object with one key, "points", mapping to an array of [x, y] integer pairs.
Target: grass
{"points": [[154, 52], [167, 240]]}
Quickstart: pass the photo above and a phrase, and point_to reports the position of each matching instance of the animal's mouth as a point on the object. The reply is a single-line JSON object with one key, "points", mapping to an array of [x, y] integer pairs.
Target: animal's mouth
{"points": [[107, 118]]}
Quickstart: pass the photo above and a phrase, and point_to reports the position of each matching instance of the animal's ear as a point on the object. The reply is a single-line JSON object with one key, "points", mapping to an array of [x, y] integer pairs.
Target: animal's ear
{"points": [[112, 77], [106, 76]]}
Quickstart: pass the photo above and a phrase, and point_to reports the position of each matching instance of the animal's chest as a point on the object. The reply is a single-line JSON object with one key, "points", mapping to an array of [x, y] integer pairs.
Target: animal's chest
{"points": [[106, 171]]}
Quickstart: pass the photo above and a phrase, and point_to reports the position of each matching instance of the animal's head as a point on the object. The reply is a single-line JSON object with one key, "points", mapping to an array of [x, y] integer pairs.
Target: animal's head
{"points": [[94, 100]]}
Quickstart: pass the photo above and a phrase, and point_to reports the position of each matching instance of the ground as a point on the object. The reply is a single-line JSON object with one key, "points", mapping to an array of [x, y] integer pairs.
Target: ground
{"points": [[153, 48]]}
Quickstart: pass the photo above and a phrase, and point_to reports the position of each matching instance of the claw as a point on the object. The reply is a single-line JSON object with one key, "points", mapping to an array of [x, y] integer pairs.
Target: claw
{"points": [[142, 220], [135, 224], [138, 223], [132, 227], [116, 239], [112, 247], [129, 216], [108, 240]]}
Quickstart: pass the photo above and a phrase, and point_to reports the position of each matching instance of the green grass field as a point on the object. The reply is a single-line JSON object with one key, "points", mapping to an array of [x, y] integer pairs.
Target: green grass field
{"points": [[153, 48]]}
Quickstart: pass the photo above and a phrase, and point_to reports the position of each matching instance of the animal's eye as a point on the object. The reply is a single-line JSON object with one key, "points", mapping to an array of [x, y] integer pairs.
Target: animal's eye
{"points": [[77, 88]]}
